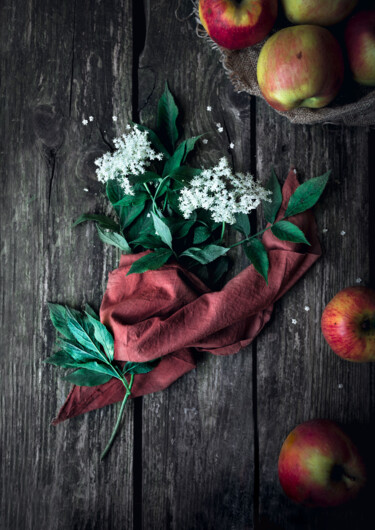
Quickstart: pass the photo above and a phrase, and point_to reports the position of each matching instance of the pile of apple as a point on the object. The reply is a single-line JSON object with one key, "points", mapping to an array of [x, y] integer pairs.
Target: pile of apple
{"points": [[301, 65]]}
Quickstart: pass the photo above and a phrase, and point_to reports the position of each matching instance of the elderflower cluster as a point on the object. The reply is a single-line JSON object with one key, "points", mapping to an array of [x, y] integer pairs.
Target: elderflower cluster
{"points": [[222, 193], [132, 155]]}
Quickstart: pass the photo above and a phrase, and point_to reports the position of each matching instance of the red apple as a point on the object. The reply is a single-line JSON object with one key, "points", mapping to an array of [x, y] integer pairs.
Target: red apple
{"points": [[319, 465], [348, 324], [300, 66], [360, 45], [321, 12], [237, 24]]}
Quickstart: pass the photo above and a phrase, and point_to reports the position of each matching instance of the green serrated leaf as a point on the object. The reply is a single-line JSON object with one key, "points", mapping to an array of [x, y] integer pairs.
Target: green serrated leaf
{"points": [[166, 119], [132, 214], [242, 224], [103, 336], [307, 195], [286, 231], [102, 220], [201, 234], [271, 208], [257, 255], [77, 351], [82, 377], [89, 310], [205, 255], [114, 239], [58, 317], [162, 230], [179, 156], [140, 368], [81, 334], [184, 174], [151, 261], [129, 200], [148, 242]]}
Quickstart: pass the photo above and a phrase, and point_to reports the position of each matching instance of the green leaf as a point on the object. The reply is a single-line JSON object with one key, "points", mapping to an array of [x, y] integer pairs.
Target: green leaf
{"points": [[179, 156], [162, 230], [206, 254], [103, 336], [58, 315], [201, 234], [221, 268], [77, 353], [148, 241], [102, 220], [306, 195], [242, 223], [82, 377], [286, 231], [271, 208], [62, 359], [140, 368], [89, 310], [114, 191], [128, 200], [132, 214], [166, 119], [147, 176], [112, 238], [184, 174], [154, 139], [257, 255], [151, 261], [81, 335]]}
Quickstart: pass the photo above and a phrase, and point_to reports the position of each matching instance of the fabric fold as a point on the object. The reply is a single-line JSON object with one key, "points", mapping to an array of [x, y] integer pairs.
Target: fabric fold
{"points": [[170, 314]]}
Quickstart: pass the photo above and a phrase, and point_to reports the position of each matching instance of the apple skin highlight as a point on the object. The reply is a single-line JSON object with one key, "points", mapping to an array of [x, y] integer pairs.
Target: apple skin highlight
{"points": [[235, 25], [320, 12], [300, 66], [319, 466], [348, 324]]}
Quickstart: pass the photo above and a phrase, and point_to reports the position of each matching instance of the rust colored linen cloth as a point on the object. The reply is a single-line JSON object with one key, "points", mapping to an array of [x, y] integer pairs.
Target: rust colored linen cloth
{"points": [[170, 314]]}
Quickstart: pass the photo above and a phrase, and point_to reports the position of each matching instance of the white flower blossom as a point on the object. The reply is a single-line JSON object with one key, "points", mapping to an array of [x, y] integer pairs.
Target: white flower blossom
{"points": [[133, 154], [325, 230], [307, 308], [220, 129], [91, 118], [231, 145], [205, 141], [294, 321], [358, 280], [114, 118], [222, 193], [342, 233], [84, 122], [209, 108]]}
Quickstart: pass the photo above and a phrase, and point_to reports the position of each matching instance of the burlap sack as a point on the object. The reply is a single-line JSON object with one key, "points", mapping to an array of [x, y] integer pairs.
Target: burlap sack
{"points": [[354, 105]]}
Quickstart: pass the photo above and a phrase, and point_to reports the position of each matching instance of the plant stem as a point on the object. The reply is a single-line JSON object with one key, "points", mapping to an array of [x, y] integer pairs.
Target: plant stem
{"points": [[151, 196], [222, 231], [119, 417], [256, 235]]}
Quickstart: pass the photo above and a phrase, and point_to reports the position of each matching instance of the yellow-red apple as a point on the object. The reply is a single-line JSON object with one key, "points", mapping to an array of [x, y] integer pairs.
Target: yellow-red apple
{"points": [[348, 324], [300, 66], [237, 24], [360, 45], [320, 466], [321, 12]]}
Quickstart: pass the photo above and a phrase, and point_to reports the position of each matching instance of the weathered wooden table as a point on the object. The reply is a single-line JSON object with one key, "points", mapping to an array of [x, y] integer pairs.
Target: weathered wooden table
{"points": [[202, 454]]}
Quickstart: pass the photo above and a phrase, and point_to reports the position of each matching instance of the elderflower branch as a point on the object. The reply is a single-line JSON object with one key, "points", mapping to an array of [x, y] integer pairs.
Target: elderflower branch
{"points": [[257, 234], [133, 154], [223, 193]]}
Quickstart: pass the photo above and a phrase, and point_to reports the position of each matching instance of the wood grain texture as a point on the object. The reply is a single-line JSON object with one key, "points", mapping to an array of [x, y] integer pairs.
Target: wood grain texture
{"points": [[298, 376], [60, 62], [198, 435]]}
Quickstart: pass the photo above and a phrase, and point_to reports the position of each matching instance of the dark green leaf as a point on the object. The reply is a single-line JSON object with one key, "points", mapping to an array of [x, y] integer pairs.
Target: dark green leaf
{"points": [[84, 377], [257, 254], [89, 310], [132, 214], [101, 368], [242, 224], [77, 352], [306, 195], [205, 255], [151, 261], [102, 220], [184, 174], [139, 198], [221, 268], [112, 238], [271, 208], [286, 231], [62, 359], [140, 368], [147, 176], [179, 156], [81, 334], [201, 234], [155, 141], [162, 230], [148, 241], [103, 336], [58, 316], [166, 119]]}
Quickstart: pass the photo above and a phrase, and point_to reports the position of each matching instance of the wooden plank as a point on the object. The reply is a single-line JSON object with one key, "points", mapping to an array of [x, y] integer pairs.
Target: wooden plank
{"points": [[299, 378], [61, 62], [198, 434]]}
